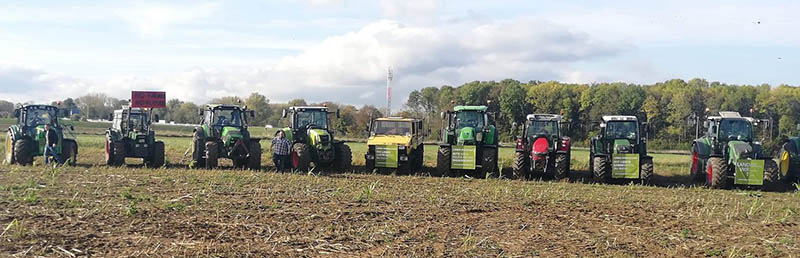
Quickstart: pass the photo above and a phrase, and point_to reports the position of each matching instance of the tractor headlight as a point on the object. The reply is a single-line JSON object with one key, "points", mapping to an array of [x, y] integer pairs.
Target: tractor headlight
{"points": [[479, 136], [401, 147], [141, 140], [403, 158]]}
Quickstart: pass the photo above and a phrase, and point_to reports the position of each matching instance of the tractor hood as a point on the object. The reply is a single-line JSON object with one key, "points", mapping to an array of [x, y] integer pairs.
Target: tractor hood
{"points": [[231, 134], [319, 137], [740, 150], [466, 135], [622, 146], [541, 145], [389, 140]]}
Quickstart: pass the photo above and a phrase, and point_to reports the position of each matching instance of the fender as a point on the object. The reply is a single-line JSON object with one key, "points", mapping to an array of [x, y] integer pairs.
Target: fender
{"points": [[199, 131], [444, 145], [703, 148], [794, 141], [564, 145], [74, 143], [14, 132]]}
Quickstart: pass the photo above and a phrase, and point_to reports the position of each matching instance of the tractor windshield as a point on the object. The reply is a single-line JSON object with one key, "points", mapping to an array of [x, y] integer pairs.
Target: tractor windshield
{"points": [[392, 128], [313, 118], [472, 119], [546, 128], [622, 130], [138, 121], [227, 117], [41, 115], [735, 129]]}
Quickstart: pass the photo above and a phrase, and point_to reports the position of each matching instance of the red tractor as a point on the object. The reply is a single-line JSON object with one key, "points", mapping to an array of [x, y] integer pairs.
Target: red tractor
{"points": [[541, 149]]}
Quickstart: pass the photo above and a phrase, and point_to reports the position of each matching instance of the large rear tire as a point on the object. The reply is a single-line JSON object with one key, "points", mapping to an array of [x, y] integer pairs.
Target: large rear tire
{"points": [[647, 171], [117, 153], [601, 171], [69, 152], [419, 158], [9, 157], [344, 157], [157, 158], [788, 172], [489, 165], [520, 168], [718, 169], [562, 166], [23, 152], [772, 176], [300, 157], [212, 154], [443, 159], [254, 160], [198, 151]]}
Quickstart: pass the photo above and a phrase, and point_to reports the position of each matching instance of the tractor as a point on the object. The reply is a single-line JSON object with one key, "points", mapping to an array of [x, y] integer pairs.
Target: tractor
{"points": [[131, 136], [468, 143], [619, 152], [38, 132], [728, 154], [223, 133], [789, 160], [312, 139], [542, 150], [395, 142]]}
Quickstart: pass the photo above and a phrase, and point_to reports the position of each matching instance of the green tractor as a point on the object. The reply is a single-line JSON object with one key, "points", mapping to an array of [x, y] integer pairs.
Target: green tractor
{"points": [[468, 143], [131, 136], [789, 160], [620, 151], [223, 133], [728, 154], [312, 140], [37, 130]]}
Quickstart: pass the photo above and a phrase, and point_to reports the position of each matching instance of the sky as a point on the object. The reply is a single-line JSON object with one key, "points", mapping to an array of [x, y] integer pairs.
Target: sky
{"points": [[340, 50]]}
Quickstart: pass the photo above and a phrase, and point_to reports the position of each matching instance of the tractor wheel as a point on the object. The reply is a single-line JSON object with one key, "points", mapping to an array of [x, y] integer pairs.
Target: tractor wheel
{"points": [[370, 164], [601, 172], [254, 160], [117, 153], [344, 156], [22, 152], [772, 177], [443, 159], [212, 154], [489, 165], [696, 170], [419, 157], [521, 165], [562, 166], [788, 173], [69, 152], [647, 171], [198, 152], [300, 157], [9, 159], [109, 154], [718, 173], [157, 157]]}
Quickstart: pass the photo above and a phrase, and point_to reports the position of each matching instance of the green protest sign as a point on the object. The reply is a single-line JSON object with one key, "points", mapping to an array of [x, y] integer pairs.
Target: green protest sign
{"points": [[386, 156], [749, 172], [625, 166], [463, 157]]}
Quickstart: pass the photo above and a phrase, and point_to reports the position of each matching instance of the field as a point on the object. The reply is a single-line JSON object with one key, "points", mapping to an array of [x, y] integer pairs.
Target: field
{"points": [[174, 211]]}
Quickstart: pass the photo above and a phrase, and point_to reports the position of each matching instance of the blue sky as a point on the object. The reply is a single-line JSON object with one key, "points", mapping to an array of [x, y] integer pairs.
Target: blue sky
{"points": [[339, 49]]}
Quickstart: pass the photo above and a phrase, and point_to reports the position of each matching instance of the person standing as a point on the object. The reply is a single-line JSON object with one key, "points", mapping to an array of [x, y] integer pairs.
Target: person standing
{"points": [[280, 150]]}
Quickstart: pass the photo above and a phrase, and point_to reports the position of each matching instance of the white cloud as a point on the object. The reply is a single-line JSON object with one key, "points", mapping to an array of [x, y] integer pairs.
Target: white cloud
{"points": [[152, 19]]}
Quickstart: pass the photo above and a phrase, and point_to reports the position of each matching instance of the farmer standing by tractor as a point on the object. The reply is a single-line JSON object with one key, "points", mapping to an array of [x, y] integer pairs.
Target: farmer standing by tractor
{"points": [[280, 150]]}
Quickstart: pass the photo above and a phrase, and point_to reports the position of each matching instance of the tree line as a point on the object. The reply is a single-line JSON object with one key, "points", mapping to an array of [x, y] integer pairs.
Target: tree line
{"points": [[670, 106]]}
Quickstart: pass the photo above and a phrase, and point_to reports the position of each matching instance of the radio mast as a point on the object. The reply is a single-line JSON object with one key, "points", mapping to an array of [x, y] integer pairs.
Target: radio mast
{"points": [[389, 92]]}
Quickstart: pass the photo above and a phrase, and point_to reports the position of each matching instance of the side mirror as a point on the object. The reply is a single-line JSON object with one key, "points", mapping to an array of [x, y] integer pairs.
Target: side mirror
{"points": [[706, 124], [252, 113], [338, 115], [602, 125], [156, 118], [111, 117], [441, 115], [200, 112], [283, 113], [514, 125], [71, 128], [16, 114]]}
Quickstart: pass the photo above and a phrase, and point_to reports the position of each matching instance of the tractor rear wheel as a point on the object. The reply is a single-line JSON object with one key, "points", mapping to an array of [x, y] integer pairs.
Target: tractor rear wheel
{"points": [[443, 159], [254, 160], [419, 157], [117, 153], [787, 172], [198, 151], [212, 154], [22, 152], [344, 156], [772, 177], [718, 169], [69, 152], [647, 171], [696, 170], [300, 157], [157, 157], [9, 159], [520, 168], [562, 166], [370, 163], [489, 165], [601, 171]]}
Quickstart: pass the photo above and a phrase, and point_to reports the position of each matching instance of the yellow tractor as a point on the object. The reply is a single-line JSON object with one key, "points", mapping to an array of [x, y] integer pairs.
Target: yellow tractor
{"points": [[395, 143]]}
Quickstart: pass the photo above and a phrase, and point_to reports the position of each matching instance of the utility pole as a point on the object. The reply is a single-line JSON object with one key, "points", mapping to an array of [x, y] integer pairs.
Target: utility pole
{"points": [[389, 92]]}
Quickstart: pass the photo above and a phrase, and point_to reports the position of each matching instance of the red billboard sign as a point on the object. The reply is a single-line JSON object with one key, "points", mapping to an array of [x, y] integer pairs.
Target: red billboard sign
{"points": [[148, 99]]}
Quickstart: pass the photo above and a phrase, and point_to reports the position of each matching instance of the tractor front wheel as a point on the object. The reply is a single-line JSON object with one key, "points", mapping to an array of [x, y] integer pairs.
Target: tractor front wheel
{"points": [[117, 153], [419, 157], [300, 157], [520, 168], [718, 170], [198, 151], [69, 152], [254, 160], [212, 154], [647, 171], [443, 159], [562, 166], [22, 152], [772, 177], [157, 157], [601, 171], [344, 156], [489, 165], [788, 172]]}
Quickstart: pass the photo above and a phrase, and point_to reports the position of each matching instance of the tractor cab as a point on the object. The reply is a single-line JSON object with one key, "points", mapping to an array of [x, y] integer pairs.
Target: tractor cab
{"points": [[468, 125], [544, 129], [220, 116], [31, 116], [468, 142], [621, 133], [541, 149], [619, 151], [312, 139], [131, 120], [223, 133]]}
